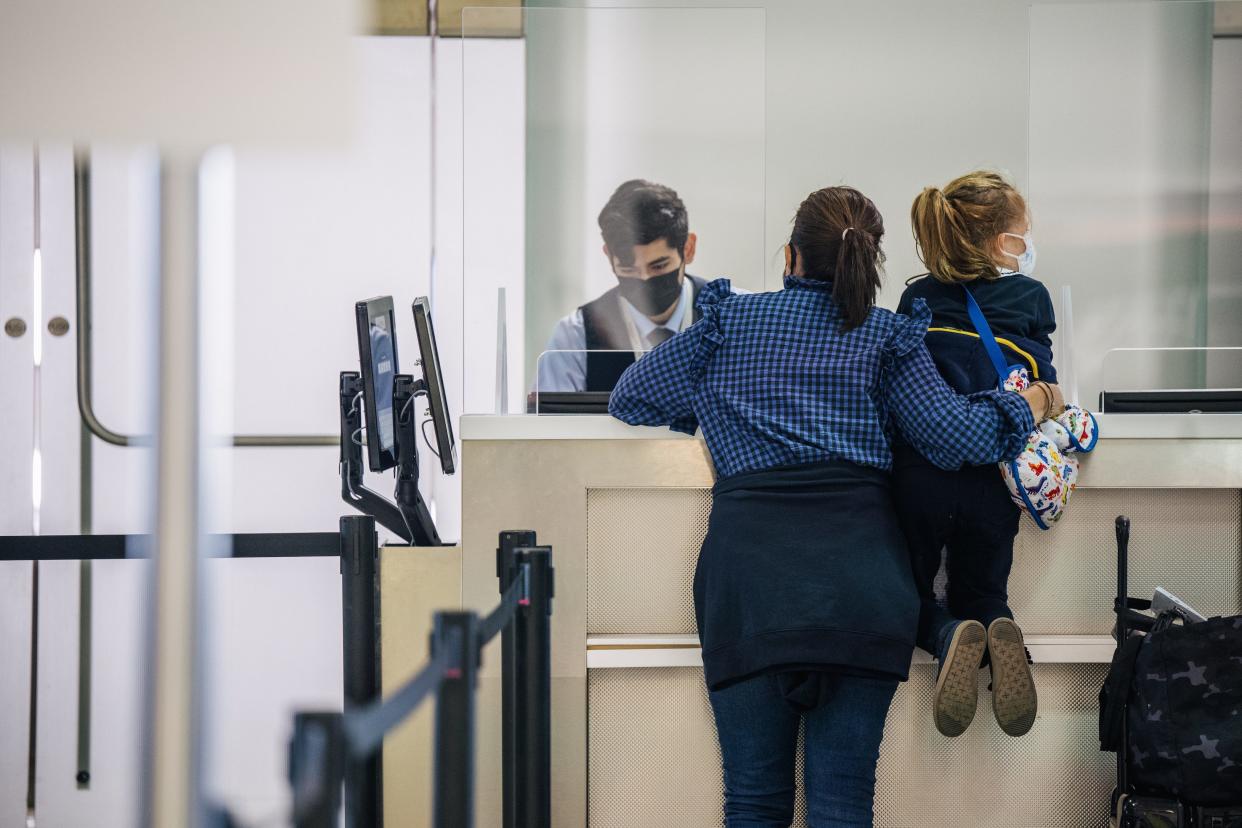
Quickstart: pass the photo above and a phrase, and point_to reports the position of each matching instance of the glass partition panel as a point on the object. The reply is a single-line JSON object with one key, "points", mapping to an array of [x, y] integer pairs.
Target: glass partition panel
{"points": [[577, 381], [1204, 379], [670, 96], [1121, 96]]}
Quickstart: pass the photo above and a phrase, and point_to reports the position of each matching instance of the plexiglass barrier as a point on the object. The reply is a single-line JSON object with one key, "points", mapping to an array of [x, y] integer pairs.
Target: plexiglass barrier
{"points": [[1171, 380], [577, 381], [1131, 182], [674, 97]]}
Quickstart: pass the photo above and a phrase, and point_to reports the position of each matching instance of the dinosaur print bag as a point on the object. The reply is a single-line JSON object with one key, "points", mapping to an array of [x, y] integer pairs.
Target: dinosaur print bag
{"points": [[1043, 476], [1185, 712]]}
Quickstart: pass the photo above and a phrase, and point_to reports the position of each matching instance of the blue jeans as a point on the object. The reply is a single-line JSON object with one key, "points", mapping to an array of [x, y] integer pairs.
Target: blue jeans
{"points": [[758, 734]]}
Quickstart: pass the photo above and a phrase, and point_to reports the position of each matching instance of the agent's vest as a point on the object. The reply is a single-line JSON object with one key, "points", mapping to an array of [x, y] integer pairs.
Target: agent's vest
{"points": [[606, 331]]}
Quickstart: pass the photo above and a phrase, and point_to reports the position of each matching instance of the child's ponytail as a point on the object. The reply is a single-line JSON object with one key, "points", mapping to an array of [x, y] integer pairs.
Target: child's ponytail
{"points": [[954, 226]]}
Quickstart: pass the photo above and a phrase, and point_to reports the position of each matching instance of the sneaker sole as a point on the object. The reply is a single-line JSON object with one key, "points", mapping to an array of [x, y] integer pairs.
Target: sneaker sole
{"points": [[957, 688], [1014, 701]]}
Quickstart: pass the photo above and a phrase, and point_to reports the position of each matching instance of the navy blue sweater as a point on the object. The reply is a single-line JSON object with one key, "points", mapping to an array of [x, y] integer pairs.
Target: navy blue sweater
{"points": [[1017, 308]]}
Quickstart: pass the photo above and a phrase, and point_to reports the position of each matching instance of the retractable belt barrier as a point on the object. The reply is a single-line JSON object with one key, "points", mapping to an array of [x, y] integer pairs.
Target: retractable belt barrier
{"points": [[331, 748], [122, 547], [328, 748]]}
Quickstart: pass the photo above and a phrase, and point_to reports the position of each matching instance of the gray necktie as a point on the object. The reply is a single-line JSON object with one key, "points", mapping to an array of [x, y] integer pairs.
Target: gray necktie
{"points": [[659, 335]]}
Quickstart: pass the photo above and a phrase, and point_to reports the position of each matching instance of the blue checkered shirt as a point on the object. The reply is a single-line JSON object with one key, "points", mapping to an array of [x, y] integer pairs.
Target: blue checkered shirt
{"points": [[773, 381]]}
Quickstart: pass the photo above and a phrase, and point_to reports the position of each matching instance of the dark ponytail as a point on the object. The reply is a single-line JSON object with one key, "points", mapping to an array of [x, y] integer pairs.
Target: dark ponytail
{"points": [[836, 238]]}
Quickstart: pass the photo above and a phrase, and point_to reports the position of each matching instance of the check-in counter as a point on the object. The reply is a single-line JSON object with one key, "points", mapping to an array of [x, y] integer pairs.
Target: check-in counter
{"points": [[626, 509]]}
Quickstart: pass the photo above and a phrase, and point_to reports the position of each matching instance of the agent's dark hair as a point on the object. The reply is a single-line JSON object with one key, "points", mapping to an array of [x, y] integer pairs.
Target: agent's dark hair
{"points": [[641, 212], [836, 238], [954, 227]]}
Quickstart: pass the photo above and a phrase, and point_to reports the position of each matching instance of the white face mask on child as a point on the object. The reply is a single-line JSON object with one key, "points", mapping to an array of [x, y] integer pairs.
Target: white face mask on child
{"points": [[1025, 260]]}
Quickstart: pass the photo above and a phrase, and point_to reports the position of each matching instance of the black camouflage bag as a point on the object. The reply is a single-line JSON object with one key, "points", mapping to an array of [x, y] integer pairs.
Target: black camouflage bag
{"points": [[1184, 712]]}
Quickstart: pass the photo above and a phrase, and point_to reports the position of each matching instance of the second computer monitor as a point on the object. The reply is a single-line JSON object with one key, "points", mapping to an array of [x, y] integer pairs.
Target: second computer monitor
{"points": [[433, 377], [377, 350]]}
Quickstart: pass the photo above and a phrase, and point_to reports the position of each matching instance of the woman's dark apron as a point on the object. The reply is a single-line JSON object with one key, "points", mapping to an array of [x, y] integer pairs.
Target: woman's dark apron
{"points": [[804, 570]]}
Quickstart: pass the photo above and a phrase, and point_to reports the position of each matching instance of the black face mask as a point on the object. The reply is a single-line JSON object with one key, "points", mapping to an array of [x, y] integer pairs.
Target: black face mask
{"points": [[652, 296]]}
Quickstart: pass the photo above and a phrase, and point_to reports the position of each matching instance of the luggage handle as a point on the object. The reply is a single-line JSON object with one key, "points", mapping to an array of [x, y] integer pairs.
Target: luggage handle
{"points": [[1126, 608], [1132, 620], [1123, 557], [1132, 604], [1122, 525]]}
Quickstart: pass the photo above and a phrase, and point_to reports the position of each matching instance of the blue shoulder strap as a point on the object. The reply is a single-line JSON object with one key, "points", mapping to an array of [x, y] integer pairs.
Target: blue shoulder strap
{"points": [[985, 335]]}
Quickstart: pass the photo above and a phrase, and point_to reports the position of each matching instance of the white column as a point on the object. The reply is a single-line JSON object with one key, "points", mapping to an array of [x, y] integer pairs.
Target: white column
{"points": [[173, 724]]}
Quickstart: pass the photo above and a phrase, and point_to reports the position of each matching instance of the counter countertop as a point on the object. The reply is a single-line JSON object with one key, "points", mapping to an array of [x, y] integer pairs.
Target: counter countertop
{"points": [[603, 427]]}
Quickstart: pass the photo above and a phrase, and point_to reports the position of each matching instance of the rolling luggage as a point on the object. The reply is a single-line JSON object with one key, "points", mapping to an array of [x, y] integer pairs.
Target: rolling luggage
{"points": [[1171, 708], [1225, 817]]}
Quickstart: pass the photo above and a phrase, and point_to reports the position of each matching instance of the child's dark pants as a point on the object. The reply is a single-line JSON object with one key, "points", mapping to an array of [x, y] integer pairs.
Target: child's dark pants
{"points": [[969, 514]]}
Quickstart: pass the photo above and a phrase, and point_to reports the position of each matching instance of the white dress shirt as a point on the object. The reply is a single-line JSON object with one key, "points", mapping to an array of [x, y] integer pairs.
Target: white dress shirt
{"points": [[563, 364]]}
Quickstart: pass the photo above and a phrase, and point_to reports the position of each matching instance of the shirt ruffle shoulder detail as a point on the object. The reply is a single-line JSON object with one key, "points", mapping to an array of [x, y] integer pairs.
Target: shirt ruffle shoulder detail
{"points": [[908, 331], [712, 295], [710, 301]]}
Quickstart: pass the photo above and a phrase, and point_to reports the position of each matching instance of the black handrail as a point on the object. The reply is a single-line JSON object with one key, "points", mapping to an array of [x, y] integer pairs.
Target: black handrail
{"points": [[116, 547]]}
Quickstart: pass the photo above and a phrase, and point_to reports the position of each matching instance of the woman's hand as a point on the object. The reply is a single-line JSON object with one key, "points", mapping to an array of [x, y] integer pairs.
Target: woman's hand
{"points": [[1045, 400]]}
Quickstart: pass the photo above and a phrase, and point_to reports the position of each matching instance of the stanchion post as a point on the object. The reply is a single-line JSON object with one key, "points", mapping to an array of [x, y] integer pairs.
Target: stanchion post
{"points": [[533, 691], [506, 570], [361, 645], [454, 745], [316, 766]]}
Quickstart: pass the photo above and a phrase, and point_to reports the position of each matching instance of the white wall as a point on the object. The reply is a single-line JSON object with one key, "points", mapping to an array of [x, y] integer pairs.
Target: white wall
{"points": [[16, 354], [16, 449], [313, 232], [15, 615], [37, 495]]}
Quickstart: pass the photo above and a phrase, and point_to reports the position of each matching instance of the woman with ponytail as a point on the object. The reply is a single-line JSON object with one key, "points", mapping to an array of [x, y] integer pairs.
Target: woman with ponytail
{"points": [[803, 594], [974, 237]]}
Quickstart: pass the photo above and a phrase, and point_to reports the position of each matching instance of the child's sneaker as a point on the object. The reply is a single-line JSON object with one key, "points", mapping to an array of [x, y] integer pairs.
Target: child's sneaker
{"points": [[957, 685], [1014, 701]]}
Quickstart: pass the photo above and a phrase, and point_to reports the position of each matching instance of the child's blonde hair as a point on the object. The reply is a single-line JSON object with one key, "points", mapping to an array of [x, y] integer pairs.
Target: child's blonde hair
{"points": [[953, 227]]}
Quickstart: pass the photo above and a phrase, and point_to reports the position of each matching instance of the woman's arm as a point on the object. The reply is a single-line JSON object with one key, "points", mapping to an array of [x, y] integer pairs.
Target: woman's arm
{"points": [[657, 389], [951, 430]]}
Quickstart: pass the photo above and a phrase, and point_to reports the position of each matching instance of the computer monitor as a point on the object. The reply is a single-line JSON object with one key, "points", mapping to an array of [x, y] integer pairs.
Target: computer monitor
{"points": [[1172, 401], [377, 351], [434, 380]]}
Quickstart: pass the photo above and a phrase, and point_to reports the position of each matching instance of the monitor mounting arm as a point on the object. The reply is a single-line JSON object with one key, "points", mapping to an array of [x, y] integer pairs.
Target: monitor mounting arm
{"points": [[409, 499], [353, 492], [409, 517]]}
